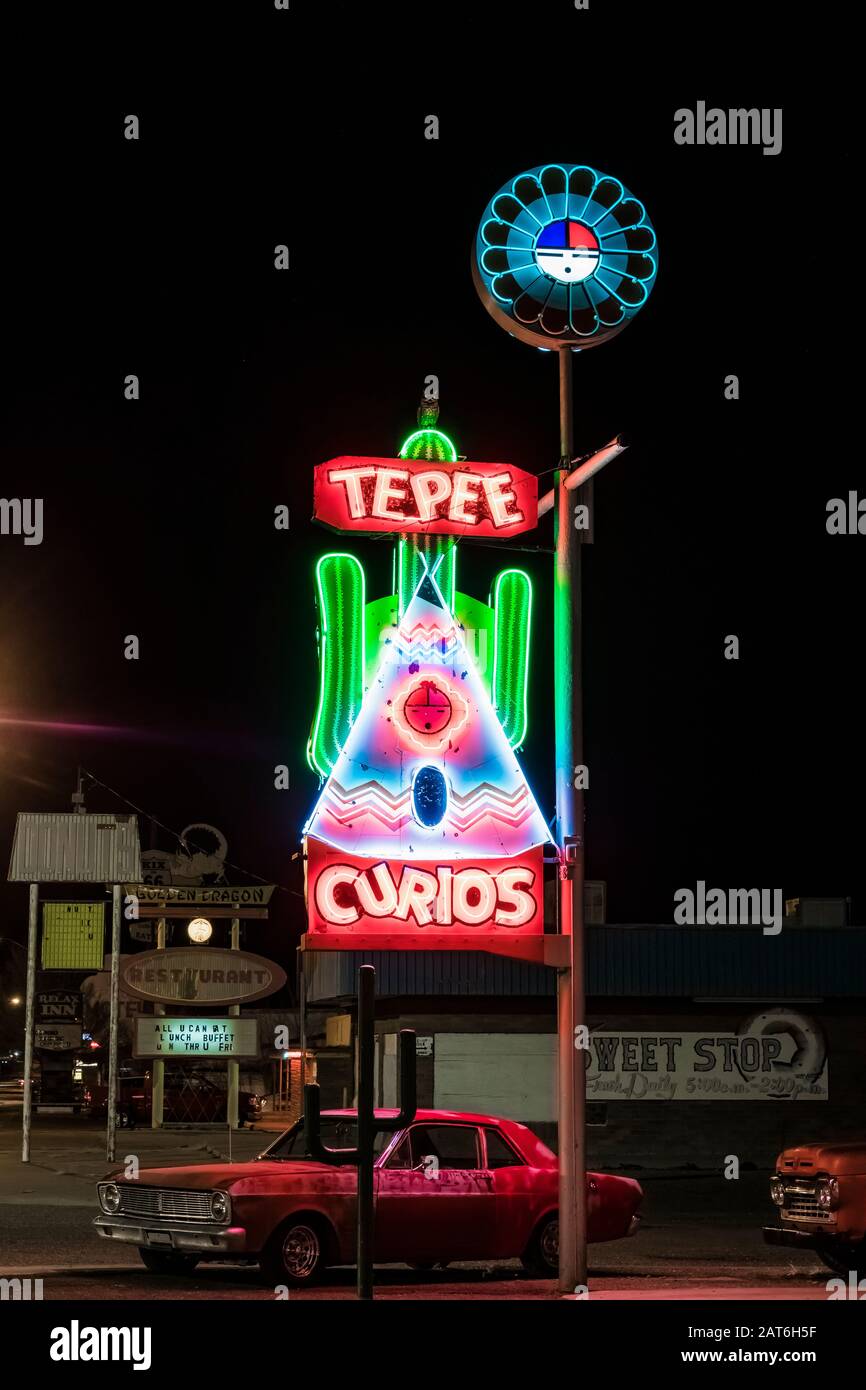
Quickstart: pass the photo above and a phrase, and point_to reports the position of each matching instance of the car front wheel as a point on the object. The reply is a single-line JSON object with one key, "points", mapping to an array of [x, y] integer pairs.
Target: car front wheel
{"points": [[844, 1258], [167, 1261], [541, 1257], [295, 1254]]}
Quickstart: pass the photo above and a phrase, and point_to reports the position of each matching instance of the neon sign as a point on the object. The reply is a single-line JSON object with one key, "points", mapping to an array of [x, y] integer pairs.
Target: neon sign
{"points": [[427, 707], [426, 832], [564, 256], [453, 498]]}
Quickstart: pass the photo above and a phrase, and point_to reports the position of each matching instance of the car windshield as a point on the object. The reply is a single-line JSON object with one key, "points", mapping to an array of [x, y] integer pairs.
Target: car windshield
{"points": [[337, 1132]]}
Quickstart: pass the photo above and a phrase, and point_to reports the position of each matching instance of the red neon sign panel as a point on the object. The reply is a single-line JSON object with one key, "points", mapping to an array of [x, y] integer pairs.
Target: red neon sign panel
{"points": [[355, 902], [430, 498]]}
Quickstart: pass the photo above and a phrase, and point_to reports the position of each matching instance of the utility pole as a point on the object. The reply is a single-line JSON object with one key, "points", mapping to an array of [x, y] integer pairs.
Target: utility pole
{"points": [[30, 1013], [113, 1025], [568, 714]]}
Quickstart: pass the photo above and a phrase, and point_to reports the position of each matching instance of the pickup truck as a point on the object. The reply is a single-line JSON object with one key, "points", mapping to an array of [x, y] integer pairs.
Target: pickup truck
{"points": [[820, 1191]]}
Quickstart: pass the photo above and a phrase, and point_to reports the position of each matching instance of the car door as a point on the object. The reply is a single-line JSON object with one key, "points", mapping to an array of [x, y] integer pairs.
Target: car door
{"points": [[434, 1200], [520, 1193]]}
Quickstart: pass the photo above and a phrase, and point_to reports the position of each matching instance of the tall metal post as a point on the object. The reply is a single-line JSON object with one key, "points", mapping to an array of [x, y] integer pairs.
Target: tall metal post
{"points": [[568, 716], [366, 1127], [30, 1002], [234, 1067], [302, 1013], [113, 1025], [157, 1091]]}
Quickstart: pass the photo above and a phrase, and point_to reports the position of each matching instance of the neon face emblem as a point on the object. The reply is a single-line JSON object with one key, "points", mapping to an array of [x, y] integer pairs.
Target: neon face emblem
{"points": [[427, 709], [567, 252], [430, 713]]}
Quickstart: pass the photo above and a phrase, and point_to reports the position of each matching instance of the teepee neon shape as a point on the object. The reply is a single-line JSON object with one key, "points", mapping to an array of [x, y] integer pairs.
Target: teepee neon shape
{"points": [[426, 771]]}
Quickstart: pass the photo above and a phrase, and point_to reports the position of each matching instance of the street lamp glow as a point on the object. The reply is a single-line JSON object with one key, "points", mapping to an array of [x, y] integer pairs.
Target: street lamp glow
{"points": [[16, 999], [199, 930]]}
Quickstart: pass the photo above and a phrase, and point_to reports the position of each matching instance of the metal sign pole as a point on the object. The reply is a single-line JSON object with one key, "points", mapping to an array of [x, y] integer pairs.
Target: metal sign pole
{"points": [[32, 930], [570, 836], [157, 1086], [111, 1124], [233, 1078], [366, 1128], [302, 1011]]}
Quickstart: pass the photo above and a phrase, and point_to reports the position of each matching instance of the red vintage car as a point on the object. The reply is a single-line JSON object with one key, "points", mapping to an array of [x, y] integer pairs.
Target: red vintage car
{"points": [[450, 1186]]}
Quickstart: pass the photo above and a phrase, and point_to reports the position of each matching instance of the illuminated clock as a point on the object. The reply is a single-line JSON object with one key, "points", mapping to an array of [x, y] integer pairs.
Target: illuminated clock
{"points": [[564, 256]]}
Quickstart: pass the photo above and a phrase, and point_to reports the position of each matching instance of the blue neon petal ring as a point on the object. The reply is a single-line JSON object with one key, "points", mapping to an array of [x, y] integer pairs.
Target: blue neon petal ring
{"points": [[604, 238]]}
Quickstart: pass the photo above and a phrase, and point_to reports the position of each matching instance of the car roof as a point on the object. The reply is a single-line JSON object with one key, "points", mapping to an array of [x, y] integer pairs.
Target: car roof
{"points": [[533, 1149], [465, 1116]]}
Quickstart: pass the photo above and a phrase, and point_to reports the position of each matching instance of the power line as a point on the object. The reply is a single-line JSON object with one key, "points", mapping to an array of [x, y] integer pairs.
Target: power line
{"points": [[177, 835]]}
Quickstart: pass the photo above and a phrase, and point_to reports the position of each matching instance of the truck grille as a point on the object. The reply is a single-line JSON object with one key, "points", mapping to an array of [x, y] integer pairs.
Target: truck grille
{"points": [[165, 1201], [802, 1206]]}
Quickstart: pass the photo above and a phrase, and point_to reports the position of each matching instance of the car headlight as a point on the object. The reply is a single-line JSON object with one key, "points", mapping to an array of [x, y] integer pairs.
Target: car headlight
{"points": [[777, 1191], [828, 1194], [109, 1197], [221, 1207]]}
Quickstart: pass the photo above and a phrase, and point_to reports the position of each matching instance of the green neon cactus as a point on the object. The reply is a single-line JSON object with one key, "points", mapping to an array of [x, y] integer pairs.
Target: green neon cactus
{"points": [[512, 621], [341, 594], [350, 629], [417, 553]]}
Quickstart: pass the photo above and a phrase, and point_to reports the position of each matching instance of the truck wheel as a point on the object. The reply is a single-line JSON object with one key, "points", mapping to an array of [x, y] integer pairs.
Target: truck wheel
{"points": [[541, 1257], [167, 1261], [295, 1254], [843, 1257]]}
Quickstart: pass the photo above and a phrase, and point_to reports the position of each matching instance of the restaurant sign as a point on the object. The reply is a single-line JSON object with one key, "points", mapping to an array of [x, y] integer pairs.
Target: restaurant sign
{"points": [[201, 975], [197, 1037], [211, 895]]}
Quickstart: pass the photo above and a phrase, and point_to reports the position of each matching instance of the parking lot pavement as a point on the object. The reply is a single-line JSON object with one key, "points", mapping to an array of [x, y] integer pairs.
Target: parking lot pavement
{"points": [[461, 1283], [74, 1147]]}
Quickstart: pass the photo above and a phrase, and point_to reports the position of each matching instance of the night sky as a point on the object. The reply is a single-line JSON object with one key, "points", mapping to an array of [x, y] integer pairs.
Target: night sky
{"points": [[156, 258]]}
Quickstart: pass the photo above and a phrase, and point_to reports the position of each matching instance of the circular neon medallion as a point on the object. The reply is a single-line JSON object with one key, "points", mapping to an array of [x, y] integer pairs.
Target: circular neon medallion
{"points": [[564, 256], [427, 709]]}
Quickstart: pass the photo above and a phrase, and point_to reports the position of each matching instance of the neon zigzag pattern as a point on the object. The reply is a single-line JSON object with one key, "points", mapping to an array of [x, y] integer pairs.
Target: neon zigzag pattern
{"points": [[427, 643], [486, 802], [369, 799]]}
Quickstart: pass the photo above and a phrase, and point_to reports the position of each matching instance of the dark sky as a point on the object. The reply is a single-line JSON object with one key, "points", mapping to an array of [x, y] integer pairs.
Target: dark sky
{"points": [[156, 258]]}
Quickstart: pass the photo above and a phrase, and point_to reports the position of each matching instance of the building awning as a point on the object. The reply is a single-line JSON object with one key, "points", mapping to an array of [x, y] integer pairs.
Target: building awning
{"points": [[632, 961]]}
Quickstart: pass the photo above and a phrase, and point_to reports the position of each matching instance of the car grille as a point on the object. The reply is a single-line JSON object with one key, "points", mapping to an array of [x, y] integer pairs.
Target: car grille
{"points": [[165, 1201], [802, 1206]]}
